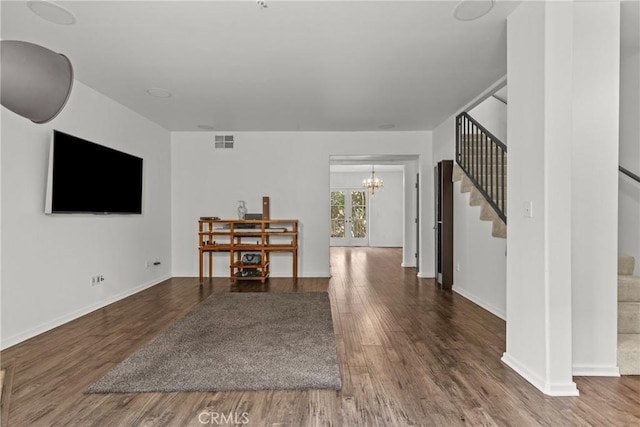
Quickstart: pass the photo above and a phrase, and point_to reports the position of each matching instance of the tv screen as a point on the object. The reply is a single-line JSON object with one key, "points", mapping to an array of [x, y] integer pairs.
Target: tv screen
{"points": [[85, 177]]}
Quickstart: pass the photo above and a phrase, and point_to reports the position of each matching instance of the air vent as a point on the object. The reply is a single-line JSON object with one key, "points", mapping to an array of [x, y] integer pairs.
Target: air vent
{"points": [[224, 141]]}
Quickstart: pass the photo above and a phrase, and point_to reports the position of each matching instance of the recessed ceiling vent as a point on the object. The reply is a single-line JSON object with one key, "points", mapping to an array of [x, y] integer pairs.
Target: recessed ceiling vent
{"points": [[224, 141]]}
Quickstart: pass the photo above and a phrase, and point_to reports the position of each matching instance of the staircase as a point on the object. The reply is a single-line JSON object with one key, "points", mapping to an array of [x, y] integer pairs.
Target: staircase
{"points": [[628, 317], [481, 166]]}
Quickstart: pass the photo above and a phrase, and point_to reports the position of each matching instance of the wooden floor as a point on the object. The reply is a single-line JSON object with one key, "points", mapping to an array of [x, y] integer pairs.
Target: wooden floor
{"points": [[409, 355]]}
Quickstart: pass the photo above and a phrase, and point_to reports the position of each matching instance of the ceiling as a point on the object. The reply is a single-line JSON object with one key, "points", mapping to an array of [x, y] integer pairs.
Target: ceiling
{"points": [[294, 66]]}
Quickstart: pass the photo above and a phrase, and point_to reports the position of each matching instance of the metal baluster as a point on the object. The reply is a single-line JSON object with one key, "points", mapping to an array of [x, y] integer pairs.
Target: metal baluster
{"points": [[458, 139], [468, 142], [483, 168], [484, 161], [464, 141], [475, 152], [494, 168], [502, 177]]}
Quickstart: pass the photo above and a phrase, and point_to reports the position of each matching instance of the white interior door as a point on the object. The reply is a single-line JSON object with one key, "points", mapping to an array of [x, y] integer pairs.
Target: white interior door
{"points": [[349, 217]]}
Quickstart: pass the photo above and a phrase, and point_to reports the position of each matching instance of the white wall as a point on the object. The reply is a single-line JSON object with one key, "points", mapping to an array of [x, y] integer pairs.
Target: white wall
{"points": [[386, 207], [479, 259], [594, 186], [563, 124], [411, 214], [539, 51], [444, 141], [629, 194], [480, 256], [492, 115], [47, 260], [292, 168]]}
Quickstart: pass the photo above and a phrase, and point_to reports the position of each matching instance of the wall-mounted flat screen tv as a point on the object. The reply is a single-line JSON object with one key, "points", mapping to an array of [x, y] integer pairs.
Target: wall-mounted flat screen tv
{"points": [[85, 177]]}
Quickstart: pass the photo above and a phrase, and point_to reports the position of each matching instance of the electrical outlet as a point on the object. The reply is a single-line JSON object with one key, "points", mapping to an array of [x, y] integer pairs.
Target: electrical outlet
{"points": [[458, 267], [96, 280]]}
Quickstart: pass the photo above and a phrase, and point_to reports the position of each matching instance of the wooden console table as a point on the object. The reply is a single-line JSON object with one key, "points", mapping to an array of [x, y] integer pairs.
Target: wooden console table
{"points": [[238, 237]]}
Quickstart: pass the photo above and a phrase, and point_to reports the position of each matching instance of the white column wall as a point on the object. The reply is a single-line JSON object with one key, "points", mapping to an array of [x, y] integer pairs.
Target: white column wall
{"points": [[596, 58], [563, 127], [409, 240], [538, 247]]}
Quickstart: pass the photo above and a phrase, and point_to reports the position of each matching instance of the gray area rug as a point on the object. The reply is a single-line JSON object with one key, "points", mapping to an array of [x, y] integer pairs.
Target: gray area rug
{"points": [[237, 341]]}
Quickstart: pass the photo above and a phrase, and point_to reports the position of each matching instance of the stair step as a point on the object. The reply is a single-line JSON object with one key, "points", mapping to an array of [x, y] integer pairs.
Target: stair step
{"points": [[492, 178], [482, 148], [498, 178], [629, 354], [499, 229], [496, 191], [466, 185], [471, 162], [487, 213], [628, 288], [457, 173], [477, 197], [626, 265], [498, 182], [491, 172], [628, 317]]}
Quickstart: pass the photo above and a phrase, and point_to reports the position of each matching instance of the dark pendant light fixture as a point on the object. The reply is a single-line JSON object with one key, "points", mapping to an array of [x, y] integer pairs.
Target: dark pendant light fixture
{"points": [[35, 82]]}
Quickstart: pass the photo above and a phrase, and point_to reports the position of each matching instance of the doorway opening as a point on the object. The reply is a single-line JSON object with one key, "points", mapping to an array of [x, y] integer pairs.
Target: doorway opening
{"points": [[386, 218]]}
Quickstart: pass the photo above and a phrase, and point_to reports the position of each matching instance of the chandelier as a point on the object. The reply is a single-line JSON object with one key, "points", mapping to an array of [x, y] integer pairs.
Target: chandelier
{"points": [[372, 184]]}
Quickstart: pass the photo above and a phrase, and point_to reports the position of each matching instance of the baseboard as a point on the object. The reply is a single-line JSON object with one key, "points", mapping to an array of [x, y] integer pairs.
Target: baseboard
{"points": [[408, 265], [479, 301], [306, 275], [595, 371], [425, 276], [550, 389], [313, 275], [47, 326]]}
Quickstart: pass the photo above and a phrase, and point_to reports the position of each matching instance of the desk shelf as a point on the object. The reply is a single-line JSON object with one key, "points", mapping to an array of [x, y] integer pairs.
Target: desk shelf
{"points": [[247, 236]]}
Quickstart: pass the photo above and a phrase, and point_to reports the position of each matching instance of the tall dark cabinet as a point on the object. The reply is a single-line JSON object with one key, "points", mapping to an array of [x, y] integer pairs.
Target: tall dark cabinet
{"points": [[444, 223]]}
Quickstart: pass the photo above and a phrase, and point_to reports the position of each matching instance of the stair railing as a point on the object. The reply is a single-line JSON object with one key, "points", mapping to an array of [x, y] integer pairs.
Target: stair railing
{"points": [[629, 173], [483, 157]]}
